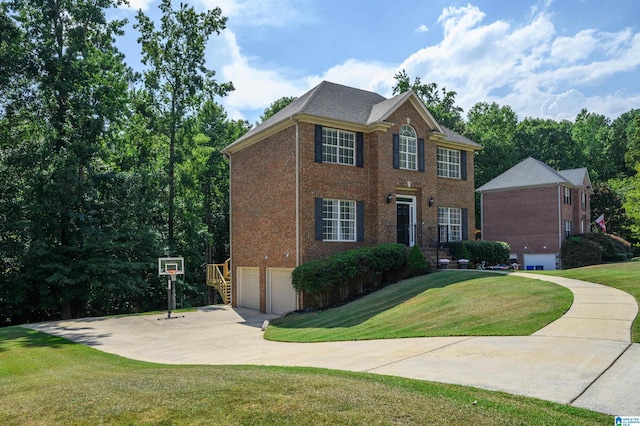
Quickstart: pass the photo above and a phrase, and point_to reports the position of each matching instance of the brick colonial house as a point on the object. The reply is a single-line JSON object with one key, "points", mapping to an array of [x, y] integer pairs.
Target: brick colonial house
{"points": [[337, 169], [535, 208]]}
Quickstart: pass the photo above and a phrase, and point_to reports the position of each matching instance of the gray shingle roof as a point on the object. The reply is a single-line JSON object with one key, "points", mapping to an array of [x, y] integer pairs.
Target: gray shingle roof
{"points": [[532, 173], [347, 104]]}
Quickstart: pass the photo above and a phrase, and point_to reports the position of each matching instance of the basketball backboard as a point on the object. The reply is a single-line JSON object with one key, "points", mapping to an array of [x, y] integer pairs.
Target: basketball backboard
{"points": [[171, 266]]}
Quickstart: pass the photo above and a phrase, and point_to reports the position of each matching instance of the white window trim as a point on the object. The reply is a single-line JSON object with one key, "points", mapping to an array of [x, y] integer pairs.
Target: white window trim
{"points": [[342, 149], [408, 148], [410, 200], [455, 229], [339, 221], [447, 168]]}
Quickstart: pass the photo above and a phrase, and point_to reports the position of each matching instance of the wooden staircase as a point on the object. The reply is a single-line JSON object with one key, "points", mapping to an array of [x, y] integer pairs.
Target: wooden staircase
{"points": [[219, 277]]}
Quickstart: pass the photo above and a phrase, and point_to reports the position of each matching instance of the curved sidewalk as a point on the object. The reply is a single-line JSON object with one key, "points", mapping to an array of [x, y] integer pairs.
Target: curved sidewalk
{"points": [[585, 358]]}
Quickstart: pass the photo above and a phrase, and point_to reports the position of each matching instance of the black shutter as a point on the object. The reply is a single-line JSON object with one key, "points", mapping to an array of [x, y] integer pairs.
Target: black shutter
{"points": [[318, 215], [463, 165], [359, 149], [360, 220], [421, 155], [318, 139], [465, 224], [396, 151]]}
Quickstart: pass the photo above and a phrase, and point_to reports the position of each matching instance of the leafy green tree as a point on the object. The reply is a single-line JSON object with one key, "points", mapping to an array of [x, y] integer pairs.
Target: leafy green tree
{"points": [[66, 94], [177, 79], [607, 201], [602, 154], [492, 126], [276, 106], [548, 141], [626, 128], [441, 103]]}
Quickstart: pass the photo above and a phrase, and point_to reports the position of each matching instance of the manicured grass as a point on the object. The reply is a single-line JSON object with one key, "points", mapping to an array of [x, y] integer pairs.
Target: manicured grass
{"points": [[453, 303], [624, 276], [48, 380]]}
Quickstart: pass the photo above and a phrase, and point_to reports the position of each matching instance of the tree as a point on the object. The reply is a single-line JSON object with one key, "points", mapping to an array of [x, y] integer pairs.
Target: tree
{"points": [[276, 106], [626, 129], [493, 127], [548, 141], [441, 103], [602, 154], [65, 98], [177, 79], [608, 202]]}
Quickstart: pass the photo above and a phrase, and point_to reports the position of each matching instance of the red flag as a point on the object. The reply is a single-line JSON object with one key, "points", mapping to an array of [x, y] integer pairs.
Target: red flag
{"points": [[600, 221]]}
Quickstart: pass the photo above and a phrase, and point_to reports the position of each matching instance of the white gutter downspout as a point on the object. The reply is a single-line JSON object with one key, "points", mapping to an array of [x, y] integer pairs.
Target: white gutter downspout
{"points": [[297, 201], [230, 224]]}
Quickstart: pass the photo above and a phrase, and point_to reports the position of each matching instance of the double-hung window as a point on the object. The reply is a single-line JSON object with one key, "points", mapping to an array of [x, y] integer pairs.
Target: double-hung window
{"points": [[338, 146], [338, 220], [568, 228], [408, 149], [449, 224], [449, 163], [567, 195]]}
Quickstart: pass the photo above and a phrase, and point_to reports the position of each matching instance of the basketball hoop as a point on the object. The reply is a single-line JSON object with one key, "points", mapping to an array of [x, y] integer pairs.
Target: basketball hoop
{"points": [[171, 267]]}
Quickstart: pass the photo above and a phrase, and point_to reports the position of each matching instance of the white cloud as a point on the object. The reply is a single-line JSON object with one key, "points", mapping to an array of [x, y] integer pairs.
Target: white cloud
{"points": [[573, 49], [526, 66], [256, 88], [422, 29], [264, 13]]}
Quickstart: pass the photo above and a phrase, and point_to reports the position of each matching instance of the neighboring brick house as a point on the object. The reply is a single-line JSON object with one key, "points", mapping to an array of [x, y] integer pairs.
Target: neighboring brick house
{"points": [[535, 208], [337, 169]]}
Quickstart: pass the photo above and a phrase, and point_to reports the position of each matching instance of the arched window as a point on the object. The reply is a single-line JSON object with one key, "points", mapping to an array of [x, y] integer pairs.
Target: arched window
{"points": [[408, 149]]}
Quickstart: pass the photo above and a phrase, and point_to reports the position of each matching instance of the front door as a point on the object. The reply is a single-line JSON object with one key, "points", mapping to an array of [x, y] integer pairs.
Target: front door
{"points": [[403, 224], [406, 220]]}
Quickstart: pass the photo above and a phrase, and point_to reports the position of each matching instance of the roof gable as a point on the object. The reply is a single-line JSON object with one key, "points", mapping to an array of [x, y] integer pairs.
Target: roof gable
{"points": [[533, 173], [331, 101]]}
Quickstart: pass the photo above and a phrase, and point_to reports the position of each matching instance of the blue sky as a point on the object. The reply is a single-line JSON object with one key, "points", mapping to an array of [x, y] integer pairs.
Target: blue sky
{"points": [[544, 58]]}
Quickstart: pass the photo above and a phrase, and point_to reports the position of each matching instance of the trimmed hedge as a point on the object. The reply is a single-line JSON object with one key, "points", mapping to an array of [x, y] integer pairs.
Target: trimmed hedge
{"points": [[578, 251], [343, 275], [490, 252]]}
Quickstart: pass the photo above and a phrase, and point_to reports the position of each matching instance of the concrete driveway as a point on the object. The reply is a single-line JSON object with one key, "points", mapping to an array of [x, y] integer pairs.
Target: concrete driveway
{"points": [[585, 358]]}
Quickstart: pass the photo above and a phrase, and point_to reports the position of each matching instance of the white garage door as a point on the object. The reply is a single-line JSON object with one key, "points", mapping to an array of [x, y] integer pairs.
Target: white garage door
{"points": [[538, 261], [249, 288], [281, 297]]}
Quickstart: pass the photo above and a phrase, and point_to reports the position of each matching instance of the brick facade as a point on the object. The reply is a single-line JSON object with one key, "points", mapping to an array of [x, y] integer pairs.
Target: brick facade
{"points": [[265, 181], [532, 218]]}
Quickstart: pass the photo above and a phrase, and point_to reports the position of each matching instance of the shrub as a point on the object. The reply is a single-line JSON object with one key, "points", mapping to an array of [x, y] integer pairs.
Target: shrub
{"points": [[491, 252], [339, 276], [578, 251], [613, 247], [416, 262]]}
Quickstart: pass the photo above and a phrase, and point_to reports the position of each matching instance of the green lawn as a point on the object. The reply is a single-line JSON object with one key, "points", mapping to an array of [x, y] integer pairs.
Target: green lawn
{"points": [[452, 303], [624, 276], [47, 380]]}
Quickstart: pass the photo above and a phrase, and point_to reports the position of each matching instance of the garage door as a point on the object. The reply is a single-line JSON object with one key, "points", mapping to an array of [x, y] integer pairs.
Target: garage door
{"points": [[249, 288], [538, 261], [281, 297]]}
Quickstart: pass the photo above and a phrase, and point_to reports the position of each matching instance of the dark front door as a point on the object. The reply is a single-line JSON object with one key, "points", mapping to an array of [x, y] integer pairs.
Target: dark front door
{"points": [[403, 223]]}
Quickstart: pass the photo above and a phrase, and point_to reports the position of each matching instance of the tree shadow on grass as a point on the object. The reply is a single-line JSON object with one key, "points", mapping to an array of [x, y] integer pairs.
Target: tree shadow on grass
{"points": [[16, 337], [389, 297]]}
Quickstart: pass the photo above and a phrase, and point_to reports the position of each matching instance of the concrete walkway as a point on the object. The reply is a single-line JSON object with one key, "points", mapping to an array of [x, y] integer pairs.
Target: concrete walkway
{"points": [[585, 358]]}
